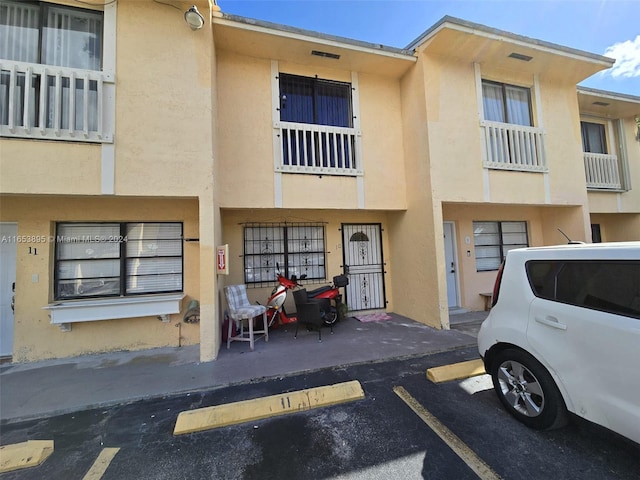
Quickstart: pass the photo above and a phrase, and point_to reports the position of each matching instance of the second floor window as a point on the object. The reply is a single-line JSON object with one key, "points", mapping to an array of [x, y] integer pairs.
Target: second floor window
{"points": [[506, 103], [315, 101], [35, 32], [593, 137]]}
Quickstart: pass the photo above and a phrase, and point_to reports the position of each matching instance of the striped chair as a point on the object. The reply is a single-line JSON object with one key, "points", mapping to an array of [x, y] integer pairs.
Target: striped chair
{"points": [[240, 310]]}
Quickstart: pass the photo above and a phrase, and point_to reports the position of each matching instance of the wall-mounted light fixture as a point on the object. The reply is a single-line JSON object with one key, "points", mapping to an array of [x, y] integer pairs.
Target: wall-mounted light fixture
{"points": [[194, 18]]}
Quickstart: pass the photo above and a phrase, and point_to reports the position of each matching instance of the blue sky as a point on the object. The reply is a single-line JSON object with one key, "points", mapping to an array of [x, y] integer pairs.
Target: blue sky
{"points": [[605, 27]]}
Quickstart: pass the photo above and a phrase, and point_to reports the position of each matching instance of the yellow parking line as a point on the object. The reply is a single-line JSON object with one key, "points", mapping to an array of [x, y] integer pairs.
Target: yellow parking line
{"points": [[24, 455], [456, 371], [101, 464], [258, 408], [474, 462]]}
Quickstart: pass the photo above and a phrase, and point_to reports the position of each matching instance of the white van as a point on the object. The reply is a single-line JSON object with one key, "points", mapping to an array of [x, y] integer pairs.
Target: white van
{"points": [[563, 335]]}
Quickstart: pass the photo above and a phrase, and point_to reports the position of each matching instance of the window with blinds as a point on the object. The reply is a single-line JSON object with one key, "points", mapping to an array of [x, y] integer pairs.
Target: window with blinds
{"points": [[492, 241], [117, 259]]}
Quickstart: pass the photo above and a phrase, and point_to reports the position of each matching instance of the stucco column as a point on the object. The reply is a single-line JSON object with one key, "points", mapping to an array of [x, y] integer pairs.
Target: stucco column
{"points": [[209, 331], [438, 230]]}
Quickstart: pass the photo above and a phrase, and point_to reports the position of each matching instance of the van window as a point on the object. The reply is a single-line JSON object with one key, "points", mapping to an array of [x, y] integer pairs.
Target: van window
{"points": [[608, 286]]}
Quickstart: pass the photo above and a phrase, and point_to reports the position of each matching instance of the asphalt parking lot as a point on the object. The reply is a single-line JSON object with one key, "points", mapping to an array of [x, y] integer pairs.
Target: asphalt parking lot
{"points": [[377, 437]]}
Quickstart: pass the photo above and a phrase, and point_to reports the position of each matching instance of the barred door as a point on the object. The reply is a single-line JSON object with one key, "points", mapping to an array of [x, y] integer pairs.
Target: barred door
{"points": [[362, 250]]}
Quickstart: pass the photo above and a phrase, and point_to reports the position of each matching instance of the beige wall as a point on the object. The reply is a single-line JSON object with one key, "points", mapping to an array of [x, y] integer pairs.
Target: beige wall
{"points": [[163, 147], [542, 224], [35, 338], [232, 224], [49, 167], [417, 288], [164, 97], [163, 135], [619, 227], [246, 142], [455, 148]]}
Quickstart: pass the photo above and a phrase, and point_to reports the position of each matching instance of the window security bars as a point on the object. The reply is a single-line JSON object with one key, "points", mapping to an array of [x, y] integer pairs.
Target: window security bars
{"points": [[492, 241], [117, 259], [297, 248]]}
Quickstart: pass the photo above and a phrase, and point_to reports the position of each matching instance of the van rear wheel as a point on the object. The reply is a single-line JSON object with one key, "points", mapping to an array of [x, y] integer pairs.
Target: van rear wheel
{"points": [[527, 390]]}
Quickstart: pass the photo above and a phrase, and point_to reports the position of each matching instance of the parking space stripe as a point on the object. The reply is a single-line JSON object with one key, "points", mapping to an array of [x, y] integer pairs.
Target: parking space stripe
{"points": [[101, 464], [474, 462], [191, 421]]}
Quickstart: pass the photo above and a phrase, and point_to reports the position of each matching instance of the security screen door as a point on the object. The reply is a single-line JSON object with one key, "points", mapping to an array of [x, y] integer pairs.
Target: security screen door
{"points": [[363, 263]]}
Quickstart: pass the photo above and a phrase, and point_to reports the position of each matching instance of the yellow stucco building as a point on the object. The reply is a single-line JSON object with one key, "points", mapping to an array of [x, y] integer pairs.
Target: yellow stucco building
{"points": [[132, 146]]}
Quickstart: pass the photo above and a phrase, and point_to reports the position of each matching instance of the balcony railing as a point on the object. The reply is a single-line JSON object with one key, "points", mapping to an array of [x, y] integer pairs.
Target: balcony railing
{"points": [[53, 103], [513, 147], [318, 149], [602, 171]]}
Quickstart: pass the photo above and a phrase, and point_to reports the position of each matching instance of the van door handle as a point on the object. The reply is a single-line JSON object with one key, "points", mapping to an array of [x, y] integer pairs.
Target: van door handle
{"points": [[551, 321]]}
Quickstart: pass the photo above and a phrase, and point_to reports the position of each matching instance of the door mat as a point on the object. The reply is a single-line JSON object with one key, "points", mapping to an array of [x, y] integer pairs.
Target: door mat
{"points": [[373, 317]]}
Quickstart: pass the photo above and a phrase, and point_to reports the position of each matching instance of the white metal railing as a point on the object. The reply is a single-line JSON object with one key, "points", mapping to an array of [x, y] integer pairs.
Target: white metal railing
{"points": [[513, 147], [318, 149], [53, 103], [602, 171]]}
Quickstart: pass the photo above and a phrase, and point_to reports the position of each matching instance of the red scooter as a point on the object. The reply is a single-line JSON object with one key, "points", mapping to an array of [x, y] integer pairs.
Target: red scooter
{"points": [[331, 310]]}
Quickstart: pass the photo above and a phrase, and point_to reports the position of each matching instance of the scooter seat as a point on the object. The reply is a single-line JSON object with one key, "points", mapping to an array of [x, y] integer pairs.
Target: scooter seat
{"points": [[318, 291]]}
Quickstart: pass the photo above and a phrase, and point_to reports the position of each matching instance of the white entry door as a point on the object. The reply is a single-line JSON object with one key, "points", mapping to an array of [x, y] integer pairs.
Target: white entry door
{"points": [[8, 246], [362, 250], [451, 264]]}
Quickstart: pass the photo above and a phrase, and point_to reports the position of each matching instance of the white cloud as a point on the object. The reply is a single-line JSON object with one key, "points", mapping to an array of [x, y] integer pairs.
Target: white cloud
{"points": [[627, 55]]}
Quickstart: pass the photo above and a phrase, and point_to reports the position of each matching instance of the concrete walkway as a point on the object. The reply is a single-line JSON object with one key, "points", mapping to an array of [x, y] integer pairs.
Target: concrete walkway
{"points": [[42, 389]]}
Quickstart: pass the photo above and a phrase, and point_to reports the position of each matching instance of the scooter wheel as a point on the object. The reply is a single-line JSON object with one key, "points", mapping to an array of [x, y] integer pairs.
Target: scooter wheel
{"points": [[330, 317]]}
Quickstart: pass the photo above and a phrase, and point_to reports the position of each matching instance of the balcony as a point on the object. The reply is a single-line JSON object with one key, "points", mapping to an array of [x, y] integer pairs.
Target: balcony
{"points": [[317, 149], [508, 146], [53, 103], [602, 171]]}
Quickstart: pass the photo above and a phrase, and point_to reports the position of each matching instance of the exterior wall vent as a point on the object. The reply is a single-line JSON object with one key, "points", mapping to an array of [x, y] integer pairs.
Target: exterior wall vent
{"points": [[318, 53], [520, 56]]}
